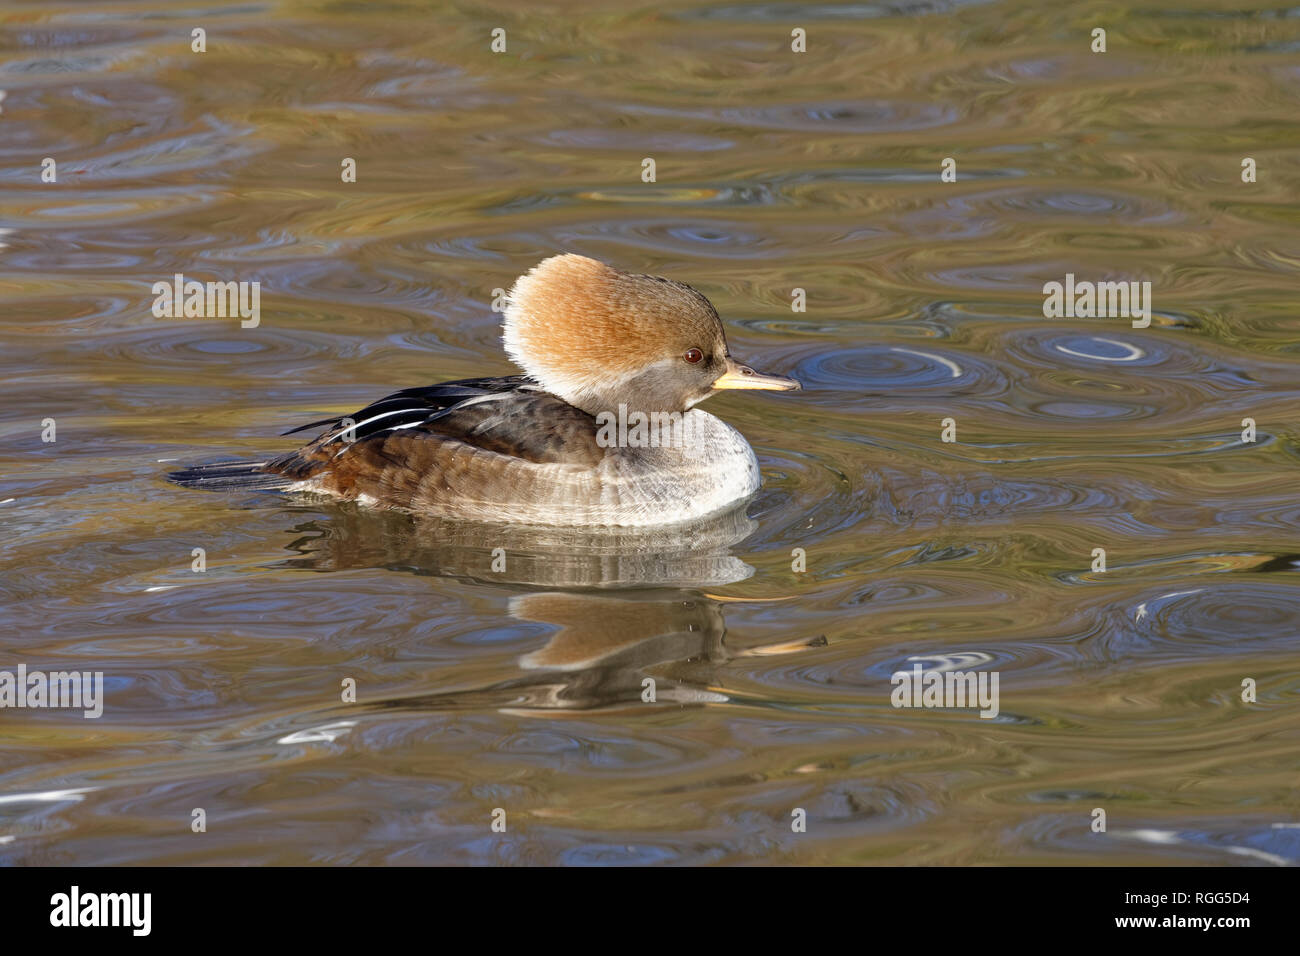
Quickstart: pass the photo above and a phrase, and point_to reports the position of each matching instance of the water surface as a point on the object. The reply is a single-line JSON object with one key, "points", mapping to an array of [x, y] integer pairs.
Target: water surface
{"points": [[522, 689]]}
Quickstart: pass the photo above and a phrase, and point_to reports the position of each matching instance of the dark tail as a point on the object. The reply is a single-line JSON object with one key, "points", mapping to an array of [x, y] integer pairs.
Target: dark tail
{"points": [[231, 476]]}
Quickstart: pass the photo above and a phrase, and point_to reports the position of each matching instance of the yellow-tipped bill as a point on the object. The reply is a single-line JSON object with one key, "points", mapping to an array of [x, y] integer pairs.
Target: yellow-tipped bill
{"points": [[742, 376]]}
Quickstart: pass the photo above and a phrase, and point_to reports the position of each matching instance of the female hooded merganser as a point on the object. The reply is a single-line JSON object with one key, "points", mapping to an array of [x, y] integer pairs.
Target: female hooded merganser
{"points": [[601, 431]]}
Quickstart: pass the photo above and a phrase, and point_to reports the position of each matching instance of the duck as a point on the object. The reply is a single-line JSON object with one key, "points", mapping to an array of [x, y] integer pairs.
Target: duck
{"points": [[601, 429]]}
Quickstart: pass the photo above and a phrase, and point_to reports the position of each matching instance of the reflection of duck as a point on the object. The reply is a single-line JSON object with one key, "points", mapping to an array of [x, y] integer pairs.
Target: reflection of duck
{"points": [[636, 629], [603, 643], [694, 554], [601, 432], [606, 645]]}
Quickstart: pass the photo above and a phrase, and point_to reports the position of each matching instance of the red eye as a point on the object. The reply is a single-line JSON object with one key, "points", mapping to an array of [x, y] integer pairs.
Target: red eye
{"points": [[693, 356]]}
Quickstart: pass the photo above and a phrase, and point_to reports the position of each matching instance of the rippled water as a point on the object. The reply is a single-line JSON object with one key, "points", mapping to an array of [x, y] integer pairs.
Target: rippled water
{"points": [[521, 690]]}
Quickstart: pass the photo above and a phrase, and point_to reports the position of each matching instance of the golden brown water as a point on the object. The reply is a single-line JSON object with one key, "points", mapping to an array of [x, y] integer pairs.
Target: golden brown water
{"points": [[521, 689]]}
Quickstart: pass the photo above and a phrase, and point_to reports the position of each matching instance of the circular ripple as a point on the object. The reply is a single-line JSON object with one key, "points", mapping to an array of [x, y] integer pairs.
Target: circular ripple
{"points": [[1247, 618], [1083, 204], [161, 345], [857, 116], [886, 368], [1048, 348], [1100, 349]]}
